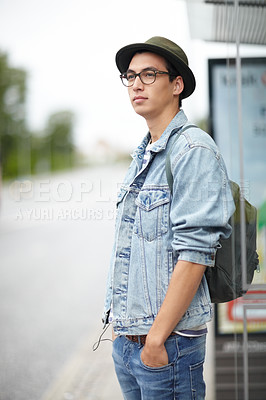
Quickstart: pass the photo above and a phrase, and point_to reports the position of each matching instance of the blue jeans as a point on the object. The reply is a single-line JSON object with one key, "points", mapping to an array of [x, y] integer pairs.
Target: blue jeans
{"points": [[181, 379]]}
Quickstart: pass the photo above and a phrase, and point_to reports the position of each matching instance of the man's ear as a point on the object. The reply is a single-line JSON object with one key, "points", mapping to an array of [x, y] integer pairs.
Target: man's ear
{"points": [[178, 85]]}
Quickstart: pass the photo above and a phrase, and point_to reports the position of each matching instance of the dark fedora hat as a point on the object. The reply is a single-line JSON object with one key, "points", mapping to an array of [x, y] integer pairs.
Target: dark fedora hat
{"points": [[165, 48]]}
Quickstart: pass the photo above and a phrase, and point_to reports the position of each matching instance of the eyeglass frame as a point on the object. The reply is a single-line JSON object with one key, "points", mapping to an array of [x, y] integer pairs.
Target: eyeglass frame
{"points": [[152, 70]]}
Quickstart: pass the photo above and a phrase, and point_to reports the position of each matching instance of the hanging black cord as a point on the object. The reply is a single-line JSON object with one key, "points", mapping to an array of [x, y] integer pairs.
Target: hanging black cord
{"points": [[97, 344]]}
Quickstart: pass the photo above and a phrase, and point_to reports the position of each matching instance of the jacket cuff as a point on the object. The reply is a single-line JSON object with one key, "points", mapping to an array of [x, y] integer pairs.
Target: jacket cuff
{"points": [[198, 257]]}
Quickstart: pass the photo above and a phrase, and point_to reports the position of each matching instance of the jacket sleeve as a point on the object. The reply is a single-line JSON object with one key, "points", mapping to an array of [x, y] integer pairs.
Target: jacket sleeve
{"points": [[202, 204]]}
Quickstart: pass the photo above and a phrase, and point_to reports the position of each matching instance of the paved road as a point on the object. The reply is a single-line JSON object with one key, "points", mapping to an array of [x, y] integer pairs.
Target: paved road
{"points": [[55, 241]]}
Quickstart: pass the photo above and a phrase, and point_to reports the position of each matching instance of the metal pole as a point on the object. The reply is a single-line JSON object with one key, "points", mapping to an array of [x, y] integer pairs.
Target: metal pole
{"points": [[245, 354], [242, 204]]}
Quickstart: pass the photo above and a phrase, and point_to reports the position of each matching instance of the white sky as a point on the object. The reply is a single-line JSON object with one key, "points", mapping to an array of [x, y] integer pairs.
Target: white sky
{"points": [[68, 48]]}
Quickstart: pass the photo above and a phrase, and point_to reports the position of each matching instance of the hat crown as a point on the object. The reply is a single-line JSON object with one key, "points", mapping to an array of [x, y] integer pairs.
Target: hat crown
{"points": [[169, 46]]}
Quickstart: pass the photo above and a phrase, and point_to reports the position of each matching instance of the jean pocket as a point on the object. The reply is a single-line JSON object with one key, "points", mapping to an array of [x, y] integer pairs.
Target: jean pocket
{"points": [[148, 368], [152, 216], [172, 353], [197, 381]]}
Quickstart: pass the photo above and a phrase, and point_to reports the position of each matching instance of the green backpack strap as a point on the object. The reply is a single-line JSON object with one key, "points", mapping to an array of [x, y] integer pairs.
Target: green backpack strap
{"points": [[168, 170]]}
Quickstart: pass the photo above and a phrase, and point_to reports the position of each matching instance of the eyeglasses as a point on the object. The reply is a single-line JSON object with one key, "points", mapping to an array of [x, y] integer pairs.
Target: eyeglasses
{"points": [[148, 76]]}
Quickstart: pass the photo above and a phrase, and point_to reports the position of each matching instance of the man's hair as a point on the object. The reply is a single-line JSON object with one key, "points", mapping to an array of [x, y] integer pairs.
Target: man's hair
{"points": [[173, 74]]}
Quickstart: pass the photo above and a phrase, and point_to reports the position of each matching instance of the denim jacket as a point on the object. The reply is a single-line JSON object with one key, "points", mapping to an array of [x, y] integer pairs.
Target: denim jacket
{"points": [[155, 229]]}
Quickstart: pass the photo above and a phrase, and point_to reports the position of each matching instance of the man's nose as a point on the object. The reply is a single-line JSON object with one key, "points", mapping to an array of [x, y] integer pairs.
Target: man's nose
{"points": [[137, 83]]}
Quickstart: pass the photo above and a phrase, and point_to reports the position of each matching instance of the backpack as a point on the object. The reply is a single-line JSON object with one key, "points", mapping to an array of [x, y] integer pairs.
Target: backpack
{"points": [[225, 278]]}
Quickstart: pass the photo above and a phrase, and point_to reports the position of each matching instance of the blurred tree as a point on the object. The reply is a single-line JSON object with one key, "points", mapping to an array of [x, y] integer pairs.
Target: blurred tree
{"points": [[59, 133], [14, 137], [22, 152], [203, 124]]}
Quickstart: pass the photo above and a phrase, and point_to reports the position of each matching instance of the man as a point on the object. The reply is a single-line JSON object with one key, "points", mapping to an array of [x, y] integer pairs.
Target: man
{"points": [[157, 296]]}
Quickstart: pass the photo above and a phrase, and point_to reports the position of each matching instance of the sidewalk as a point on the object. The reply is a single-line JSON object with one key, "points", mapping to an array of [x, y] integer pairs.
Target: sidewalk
{"points": [[88, 375]]}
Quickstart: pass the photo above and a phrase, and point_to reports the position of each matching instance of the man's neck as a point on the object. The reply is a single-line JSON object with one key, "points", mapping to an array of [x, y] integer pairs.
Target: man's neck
{"points": [[158, 125]]}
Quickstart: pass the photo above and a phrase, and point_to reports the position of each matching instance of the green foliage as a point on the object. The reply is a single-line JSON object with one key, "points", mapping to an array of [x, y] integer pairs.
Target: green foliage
{"points": [[12, 115], [23, 152], [60, 132], [54, 150], [203, 124], [262, 216]]}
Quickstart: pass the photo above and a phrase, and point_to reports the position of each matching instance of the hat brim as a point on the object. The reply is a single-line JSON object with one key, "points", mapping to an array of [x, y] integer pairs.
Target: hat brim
{"points": [[124, 56]]}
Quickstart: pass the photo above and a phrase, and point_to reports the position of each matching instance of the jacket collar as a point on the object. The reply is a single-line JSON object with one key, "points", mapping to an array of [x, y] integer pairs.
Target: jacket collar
{"points": [[177, 122]]}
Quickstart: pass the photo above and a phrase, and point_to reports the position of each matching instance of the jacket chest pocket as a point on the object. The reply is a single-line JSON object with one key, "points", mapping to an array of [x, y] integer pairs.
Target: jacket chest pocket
{"points": [[152, 216]]}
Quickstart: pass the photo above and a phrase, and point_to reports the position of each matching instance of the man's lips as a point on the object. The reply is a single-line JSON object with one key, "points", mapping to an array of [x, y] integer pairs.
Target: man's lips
{"points": [[139, 99]]}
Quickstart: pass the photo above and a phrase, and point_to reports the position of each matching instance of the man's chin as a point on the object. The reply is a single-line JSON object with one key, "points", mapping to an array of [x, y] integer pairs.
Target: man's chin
{"points": [[140, 111]]}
